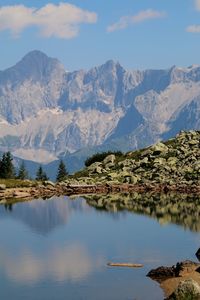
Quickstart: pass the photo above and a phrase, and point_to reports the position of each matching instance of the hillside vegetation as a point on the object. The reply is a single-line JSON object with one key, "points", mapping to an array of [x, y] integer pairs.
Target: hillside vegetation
{"points": [[171, 162]]}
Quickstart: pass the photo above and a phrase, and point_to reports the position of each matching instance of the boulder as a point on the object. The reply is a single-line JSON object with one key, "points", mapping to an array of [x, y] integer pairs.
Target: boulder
{"points": [[172, 160], [159, 161], [180, 269], [134, 179], [159, 148], [193, 142], [112, 175], [48, 182], [185, 267], [109, 159], [162, 273], [98, 170], [2, 187], [144, 162], [109, 165], [186, 290], [95, 168], [127, 163]]}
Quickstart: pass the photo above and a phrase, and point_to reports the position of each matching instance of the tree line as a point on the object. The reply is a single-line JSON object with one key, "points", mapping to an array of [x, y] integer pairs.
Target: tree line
{"points": [[8, 171]]}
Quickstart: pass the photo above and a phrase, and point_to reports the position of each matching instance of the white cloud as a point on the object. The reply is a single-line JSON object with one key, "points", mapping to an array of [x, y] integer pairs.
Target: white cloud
{"points": [[193, 28], [61, 21], [142, 16], [197, 4], [72, 263]]}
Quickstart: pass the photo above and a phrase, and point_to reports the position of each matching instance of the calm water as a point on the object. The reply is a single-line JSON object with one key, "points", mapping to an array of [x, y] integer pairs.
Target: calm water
{"points": [[59, 248]]}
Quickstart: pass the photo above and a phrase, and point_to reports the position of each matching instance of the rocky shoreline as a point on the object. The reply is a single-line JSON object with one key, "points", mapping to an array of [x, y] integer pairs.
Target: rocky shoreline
{"points": [[172, 166], [49, 189]]}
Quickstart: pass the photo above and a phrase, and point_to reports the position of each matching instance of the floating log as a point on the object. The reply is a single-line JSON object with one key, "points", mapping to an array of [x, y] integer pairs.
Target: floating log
{"points": [[128, 265]]}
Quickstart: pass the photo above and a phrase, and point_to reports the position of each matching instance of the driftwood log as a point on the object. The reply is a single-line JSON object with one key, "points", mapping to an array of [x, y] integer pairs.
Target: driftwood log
{"points": [[128, 265]]}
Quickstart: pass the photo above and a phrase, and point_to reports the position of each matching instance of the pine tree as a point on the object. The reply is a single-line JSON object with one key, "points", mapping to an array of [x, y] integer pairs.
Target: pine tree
{"points": [[62, 172], [41, 175], [3, 166], [22, 173], [7, 169]]}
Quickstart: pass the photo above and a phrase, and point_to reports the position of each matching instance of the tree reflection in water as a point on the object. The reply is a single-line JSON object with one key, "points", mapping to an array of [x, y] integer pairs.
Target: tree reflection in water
{"points": [[179, 209]]}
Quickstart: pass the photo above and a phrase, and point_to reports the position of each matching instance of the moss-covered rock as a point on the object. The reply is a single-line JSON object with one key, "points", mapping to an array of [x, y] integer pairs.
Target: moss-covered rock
{"points": [[186, 290]]}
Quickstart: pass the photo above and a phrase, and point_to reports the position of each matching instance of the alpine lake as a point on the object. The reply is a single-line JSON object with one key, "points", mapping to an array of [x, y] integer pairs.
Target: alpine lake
{"points": [[58, 248]]}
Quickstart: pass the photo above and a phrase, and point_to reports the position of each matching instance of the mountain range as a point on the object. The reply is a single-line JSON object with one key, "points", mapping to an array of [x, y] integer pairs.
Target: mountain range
{"points": [[47, 113]]}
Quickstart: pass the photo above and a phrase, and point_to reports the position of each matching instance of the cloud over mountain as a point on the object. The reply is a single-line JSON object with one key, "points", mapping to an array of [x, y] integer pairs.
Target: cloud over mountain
{"points": [[142, 16], [60, 21], [194, 28]]}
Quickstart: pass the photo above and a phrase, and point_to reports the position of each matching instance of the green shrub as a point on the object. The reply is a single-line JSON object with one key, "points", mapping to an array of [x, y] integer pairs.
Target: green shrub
{"points": [[99, 157]]}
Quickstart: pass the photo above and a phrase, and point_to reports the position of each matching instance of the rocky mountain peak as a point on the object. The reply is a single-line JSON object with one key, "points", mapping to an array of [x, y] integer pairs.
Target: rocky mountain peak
{"points": [[45, 108], [35, 66], [36, 55], [111, 66], [38, 66]]}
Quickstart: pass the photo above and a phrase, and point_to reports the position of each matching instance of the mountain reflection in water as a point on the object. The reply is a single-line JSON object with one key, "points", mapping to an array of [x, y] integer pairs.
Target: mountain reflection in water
{"points": [[178, 209], [43, 216]]}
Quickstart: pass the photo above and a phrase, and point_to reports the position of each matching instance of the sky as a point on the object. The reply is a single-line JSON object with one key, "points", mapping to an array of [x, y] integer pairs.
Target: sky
{"points": [[140, 34]]}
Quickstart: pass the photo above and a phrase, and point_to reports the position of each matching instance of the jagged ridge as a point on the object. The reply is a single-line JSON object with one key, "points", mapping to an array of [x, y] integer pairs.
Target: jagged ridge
{"points": [[46, 111]]}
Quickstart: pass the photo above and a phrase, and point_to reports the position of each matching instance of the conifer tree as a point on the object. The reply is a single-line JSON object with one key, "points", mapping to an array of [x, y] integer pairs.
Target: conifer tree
{"points": [[3, 166], [41, 175], [7, 169], [62, 172], [22, 173]]}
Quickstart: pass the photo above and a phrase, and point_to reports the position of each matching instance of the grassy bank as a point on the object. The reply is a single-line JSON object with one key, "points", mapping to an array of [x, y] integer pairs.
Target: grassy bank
{"points": [[18, 183]]}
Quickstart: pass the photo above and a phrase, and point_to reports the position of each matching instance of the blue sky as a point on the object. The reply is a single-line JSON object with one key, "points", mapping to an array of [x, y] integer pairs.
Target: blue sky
{"points": [[140, 34]]}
